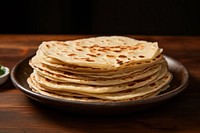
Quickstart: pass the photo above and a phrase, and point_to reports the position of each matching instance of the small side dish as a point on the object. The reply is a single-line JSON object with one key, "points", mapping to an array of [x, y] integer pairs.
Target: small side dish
{"points": [[4, 74]]}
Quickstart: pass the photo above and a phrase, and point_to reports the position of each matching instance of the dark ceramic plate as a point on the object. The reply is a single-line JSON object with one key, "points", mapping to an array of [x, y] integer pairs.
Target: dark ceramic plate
{"points": [[22, 70]]}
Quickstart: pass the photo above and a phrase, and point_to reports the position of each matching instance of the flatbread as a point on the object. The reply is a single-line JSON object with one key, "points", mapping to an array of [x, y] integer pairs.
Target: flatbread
{"points": [[129, 93], [56, 64], [101, 52], [40, 62], [100, 82], [73, 87], [99, 69]]}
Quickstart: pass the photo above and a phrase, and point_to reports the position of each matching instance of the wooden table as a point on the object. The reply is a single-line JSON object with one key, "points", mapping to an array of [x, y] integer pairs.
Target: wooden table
{"points": [[18, 113]]}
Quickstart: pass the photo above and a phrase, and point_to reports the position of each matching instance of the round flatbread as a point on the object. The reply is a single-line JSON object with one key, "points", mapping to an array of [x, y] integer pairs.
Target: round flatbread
{"points": [[109, 68], [101, 52]]}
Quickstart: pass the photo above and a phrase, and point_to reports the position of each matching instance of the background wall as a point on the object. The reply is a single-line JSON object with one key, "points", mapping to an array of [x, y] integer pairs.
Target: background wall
{"points": [[146, 17]]}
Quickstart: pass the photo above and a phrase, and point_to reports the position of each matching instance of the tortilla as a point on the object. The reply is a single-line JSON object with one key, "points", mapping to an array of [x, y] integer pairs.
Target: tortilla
{"points": [[101, 52], [154, 87], [110, 68]]}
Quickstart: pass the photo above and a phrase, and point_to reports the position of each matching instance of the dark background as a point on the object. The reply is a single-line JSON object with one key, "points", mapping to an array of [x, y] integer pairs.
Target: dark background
{"points": [[137, 17]]}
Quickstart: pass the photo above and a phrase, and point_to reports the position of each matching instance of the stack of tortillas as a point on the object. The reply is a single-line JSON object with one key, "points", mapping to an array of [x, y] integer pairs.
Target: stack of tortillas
{"points": [[113, 68]]}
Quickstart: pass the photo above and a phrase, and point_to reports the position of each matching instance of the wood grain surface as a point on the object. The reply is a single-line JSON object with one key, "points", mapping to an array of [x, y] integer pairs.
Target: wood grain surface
{"points": [[20, 114]]}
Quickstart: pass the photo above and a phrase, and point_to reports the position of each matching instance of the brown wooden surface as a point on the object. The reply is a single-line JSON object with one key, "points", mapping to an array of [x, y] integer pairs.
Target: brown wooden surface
{"points": [[21, 114]]}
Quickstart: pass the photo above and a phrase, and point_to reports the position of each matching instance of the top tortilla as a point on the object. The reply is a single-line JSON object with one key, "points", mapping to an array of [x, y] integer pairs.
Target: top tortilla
{"points": [[101, 52]]}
